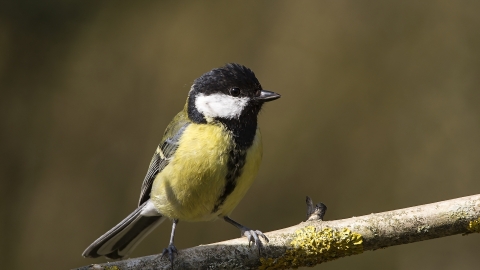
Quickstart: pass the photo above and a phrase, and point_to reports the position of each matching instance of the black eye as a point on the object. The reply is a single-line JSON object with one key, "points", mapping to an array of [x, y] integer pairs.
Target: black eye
{"points": [[235, 91], [258, 93]]}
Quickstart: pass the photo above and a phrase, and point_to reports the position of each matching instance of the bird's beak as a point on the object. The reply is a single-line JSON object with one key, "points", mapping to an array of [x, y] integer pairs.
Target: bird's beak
{"points": [[267, 96]]}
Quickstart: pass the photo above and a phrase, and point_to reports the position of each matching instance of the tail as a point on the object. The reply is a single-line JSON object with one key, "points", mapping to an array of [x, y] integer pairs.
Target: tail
{"points": [[123, 238]]}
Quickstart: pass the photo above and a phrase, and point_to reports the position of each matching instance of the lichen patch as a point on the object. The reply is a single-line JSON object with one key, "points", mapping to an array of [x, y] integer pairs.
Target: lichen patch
{"points": [[311, 247], [474, 226]]}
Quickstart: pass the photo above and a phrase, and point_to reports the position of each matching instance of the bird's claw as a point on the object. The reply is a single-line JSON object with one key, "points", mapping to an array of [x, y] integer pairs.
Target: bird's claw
{"points": [[253, 237], [171, 250]]}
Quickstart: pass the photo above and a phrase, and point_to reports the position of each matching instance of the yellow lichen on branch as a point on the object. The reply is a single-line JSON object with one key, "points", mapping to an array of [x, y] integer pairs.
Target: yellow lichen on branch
{"points": [[474, 226], [310, 247]]}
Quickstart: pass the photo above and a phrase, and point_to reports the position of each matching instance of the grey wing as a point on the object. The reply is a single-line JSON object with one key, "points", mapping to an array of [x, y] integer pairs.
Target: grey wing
{"points": [[160, 160]]}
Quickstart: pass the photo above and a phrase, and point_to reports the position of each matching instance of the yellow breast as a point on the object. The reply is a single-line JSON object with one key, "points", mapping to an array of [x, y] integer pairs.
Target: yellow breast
{"points": [[190, 185]]}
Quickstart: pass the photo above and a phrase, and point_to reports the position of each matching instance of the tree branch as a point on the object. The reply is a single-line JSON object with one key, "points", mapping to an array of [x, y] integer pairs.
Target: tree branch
{"points": [[313, 242]]}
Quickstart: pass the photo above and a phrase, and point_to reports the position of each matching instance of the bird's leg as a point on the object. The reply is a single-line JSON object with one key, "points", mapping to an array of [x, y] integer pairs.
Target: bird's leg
{"points": [[171, 249], [252, 235]]}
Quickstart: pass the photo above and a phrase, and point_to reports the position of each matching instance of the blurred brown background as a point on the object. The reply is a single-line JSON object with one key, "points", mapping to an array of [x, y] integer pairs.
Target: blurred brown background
{"points": [[379, 111]]}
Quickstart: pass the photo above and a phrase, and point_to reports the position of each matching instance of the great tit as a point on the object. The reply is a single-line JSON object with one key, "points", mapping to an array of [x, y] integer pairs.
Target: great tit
{"points": [[207, 160]]}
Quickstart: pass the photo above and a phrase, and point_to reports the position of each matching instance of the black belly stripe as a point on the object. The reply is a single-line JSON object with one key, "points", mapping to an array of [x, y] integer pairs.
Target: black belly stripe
{"points": [[236, 161], [243, 131]]}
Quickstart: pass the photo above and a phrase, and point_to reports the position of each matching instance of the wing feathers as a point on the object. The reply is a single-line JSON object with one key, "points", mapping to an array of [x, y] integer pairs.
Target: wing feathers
{"points": [[160, 160]]}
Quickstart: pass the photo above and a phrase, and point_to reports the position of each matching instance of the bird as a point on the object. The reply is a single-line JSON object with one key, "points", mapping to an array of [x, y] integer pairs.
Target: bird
{"points": [[208, 157]]}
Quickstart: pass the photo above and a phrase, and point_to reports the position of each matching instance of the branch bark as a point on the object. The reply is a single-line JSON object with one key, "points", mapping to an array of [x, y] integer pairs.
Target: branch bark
{"points": [[313, 242]]}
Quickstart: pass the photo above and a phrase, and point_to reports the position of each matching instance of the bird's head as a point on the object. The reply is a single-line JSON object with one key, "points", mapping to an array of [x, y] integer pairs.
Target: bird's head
{"points": [[231, 92]]}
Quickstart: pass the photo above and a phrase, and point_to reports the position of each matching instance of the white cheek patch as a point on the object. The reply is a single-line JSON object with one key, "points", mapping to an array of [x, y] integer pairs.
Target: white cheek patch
{"points": [[220, 105]]}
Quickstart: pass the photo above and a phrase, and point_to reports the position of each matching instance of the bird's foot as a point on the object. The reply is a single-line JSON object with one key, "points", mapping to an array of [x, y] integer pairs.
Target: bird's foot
{"points": [[253, 237], [170, 251]]}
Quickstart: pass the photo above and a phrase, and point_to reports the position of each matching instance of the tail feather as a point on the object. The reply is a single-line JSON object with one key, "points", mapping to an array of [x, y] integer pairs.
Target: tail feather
{"points": [[125, 236]]}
